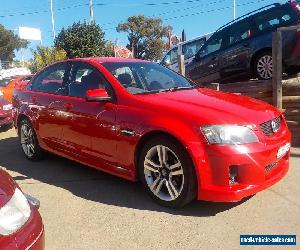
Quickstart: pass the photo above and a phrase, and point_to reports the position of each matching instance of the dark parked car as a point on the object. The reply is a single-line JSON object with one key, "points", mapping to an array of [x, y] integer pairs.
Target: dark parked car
{"points": [[243, 48]]}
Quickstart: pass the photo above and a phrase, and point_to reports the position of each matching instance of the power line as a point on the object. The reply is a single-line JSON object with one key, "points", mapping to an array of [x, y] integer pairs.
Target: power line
{"points": [[204, 12], [173, 11]]}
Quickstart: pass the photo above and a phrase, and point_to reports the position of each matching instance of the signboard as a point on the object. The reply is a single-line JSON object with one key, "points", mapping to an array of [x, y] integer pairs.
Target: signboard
{"points": [[30, 33], [121, 51]]}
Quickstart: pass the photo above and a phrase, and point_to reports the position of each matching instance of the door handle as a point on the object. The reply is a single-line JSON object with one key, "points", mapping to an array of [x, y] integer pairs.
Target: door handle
{"points": [[246, 45], [69, 106], [33, 99]]}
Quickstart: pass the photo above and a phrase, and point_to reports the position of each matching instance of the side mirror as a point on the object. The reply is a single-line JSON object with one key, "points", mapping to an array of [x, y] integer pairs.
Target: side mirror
{"points": [[97, 95]]}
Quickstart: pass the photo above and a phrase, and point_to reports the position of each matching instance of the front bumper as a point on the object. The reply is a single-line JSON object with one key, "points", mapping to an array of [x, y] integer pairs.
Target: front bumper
{"points": [[5, 118], [30, 236], [252, 162]]}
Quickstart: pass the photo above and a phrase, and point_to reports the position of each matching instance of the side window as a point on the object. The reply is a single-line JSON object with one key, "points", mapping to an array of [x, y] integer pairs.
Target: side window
{"points": [[272, 19], [85, 77], [213, 44], [53, 80], [167, 59], [190, 49], [239, 32], [174, 55]]}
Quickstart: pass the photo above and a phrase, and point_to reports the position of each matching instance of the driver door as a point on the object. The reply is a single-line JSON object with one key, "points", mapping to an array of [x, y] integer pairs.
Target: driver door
{"points": [[91, 134], [206, 65]]}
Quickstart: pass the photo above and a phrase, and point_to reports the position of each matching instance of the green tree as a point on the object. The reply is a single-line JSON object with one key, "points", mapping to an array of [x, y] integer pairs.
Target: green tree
{"points": [[8, 43], [83, 40], [146, 36], [44, 56]]}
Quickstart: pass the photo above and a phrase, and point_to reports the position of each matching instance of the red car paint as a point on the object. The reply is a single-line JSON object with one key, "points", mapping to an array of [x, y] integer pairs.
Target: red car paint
{"points": [[91, 132], [31, 235], [5, 115]]}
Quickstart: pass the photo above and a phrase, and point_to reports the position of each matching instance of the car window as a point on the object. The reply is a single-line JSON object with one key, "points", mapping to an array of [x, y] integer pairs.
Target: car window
{"points": [[4, 82], [190, 49], [239, 32], [213, 44], [146, 77], [174, 55], [84, 77], [53, 80], [272, 19]]}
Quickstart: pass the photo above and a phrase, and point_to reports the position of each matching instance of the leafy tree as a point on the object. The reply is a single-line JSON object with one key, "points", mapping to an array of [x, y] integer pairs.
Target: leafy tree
{"points": [[8, 43], [44, 56], [83, 40], [145, 36]]}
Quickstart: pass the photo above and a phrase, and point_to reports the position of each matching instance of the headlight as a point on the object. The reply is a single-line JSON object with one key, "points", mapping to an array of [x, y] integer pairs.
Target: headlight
{"points": [[229, 134], [7, 107], [14, 214]]}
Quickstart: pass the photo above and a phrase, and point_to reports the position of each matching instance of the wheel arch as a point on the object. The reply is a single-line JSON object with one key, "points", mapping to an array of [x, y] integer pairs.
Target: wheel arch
{"points": [[255, 55], [156, 133]]}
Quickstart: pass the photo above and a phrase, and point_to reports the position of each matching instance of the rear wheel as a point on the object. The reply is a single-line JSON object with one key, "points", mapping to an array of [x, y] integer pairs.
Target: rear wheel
{"points": [[29, 142], [167, 172], [263, 66]]}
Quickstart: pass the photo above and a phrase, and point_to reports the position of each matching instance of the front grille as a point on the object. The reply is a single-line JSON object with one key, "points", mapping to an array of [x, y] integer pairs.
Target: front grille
{"points": [[271, 127], [270, 167]]}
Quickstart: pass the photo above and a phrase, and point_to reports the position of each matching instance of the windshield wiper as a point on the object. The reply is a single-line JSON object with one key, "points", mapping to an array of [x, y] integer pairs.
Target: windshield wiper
{"points": [[175, 89]]}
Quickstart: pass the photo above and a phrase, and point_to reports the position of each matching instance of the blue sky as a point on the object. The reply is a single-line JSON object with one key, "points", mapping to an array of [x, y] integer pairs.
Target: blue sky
{"points": [[197, 17]]}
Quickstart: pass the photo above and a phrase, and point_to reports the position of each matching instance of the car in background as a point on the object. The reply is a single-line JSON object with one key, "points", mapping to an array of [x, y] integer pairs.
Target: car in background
{"points": [[21, 225], [8, 88], [242, 49], [6, 120], [142, 121], [187, 48]]}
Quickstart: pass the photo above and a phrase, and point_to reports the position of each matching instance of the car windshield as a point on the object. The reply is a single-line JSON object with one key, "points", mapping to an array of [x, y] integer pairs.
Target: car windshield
{"points": [[4, 82], [146, 77]]}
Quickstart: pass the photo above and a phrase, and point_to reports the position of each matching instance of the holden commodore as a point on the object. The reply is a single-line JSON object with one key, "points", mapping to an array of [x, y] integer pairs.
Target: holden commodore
{"points": [[141, 121], [21, 225]]}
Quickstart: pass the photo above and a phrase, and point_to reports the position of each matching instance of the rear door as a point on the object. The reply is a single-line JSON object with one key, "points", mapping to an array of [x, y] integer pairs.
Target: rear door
{"points": [[236, 55], [47, 92], [269, 21]]}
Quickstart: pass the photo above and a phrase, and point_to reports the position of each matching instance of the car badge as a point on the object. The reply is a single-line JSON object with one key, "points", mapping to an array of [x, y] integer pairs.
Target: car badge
{"points": [[274, 126]]}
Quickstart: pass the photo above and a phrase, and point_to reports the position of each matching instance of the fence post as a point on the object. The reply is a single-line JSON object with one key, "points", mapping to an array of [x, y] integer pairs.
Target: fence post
{"points": [[277, 69], [181, 64]]}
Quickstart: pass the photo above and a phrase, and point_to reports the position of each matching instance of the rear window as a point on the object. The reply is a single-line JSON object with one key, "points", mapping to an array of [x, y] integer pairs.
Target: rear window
{"points": [[273, 19]]}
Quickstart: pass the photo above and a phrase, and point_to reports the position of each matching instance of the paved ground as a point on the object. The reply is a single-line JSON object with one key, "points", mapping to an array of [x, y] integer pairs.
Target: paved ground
{"points": [[85, 209]]}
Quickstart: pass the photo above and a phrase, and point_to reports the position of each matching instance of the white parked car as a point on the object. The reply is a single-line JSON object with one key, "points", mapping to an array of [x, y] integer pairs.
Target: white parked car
{"points": [[187, 48]]}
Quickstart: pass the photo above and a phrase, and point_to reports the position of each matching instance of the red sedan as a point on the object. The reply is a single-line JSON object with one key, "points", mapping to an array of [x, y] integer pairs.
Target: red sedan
{"points": [[21, 225], [141, 121]]}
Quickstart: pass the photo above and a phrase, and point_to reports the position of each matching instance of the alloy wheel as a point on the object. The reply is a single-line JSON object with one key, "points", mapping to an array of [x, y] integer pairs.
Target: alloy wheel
{"points": [[163, 173], [27, 140], [265, 67]]}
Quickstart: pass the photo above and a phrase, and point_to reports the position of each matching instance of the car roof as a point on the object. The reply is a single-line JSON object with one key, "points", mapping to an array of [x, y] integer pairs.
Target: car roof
{"points": [[107, 59]]}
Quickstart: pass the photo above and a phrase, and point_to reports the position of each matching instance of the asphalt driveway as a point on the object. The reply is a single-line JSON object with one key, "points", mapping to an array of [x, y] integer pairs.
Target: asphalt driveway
{"points": [[86, 209]]}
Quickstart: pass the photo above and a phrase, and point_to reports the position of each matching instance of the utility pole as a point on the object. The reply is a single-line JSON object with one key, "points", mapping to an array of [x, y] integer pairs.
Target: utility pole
{"points": [[91, 11], [52, 19], [234, 4]]}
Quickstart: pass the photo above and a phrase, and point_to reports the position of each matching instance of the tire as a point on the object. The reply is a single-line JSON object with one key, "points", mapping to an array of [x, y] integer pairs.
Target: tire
{"points": [[263, 66], [29, 142], [172, 188]]}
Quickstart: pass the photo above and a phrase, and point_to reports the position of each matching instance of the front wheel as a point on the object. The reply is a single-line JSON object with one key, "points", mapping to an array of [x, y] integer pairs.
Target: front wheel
{"points": [[263, 66], [29, 142], [167, 172]]}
